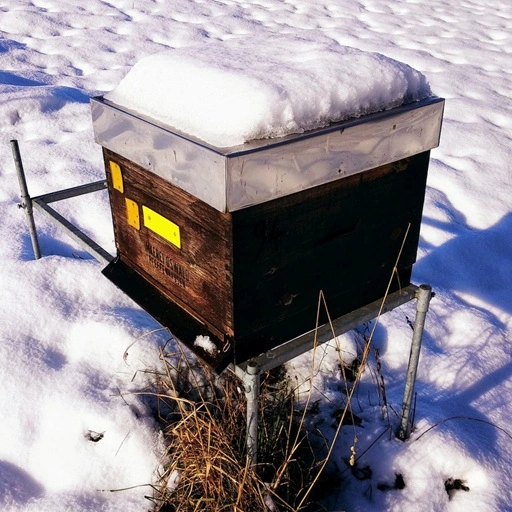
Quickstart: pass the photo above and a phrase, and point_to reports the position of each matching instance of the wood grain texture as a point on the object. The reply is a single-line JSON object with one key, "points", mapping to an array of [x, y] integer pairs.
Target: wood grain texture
{"points": [[199, 275]]}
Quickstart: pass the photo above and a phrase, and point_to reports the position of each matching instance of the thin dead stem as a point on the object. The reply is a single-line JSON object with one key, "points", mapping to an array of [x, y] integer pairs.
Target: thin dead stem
{"points": [[465, 418]]}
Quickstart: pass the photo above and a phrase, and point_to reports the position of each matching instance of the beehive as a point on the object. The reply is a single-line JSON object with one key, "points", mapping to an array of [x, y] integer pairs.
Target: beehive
{"points": [[236, 243]]}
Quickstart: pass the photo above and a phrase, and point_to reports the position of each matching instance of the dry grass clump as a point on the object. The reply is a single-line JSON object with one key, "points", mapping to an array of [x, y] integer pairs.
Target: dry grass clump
{"points": [[205, 472], [204, 418]]}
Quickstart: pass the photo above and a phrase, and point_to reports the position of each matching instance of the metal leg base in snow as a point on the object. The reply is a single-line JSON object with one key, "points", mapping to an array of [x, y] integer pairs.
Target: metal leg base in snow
{"points": [[250, 376], [423, 296]]}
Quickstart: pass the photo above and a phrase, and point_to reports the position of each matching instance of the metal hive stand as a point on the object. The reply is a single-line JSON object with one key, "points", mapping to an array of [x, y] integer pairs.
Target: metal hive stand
{"points": [[249, 371]]}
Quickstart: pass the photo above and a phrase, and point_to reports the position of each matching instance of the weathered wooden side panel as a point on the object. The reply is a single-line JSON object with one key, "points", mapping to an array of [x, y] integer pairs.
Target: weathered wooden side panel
{"points": [[192, 264], [342, 238]]}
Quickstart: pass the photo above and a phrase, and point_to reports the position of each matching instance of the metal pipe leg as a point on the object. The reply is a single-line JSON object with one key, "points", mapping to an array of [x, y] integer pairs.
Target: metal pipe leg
{"points": [[252, 392], [423, 296], [26, 201]]}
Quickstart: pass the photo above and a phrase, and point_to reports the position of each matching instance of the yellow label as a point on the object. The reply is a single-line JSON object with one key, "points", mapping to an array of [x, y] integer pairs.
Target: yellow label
{"points": [[117, 176], [161, 226], [132, 213]]}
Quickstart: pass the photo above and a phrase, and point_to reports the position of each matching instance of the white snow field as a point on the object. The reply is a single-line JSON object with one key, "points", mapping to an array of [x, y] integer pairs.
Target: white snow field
{"points": [[64, 328]]}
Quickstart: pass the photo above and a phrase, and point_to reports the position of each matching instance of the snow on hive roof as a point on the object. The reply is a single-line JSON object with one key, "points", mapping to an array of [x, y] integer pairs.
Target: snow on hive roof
{"points": [[244, 88]]}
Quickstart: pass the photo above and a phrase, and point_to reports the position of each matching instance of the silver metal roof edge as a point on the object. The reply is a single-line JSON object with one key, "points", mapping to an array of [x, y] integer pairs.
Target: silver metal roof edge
{"points": [[233, 178]]}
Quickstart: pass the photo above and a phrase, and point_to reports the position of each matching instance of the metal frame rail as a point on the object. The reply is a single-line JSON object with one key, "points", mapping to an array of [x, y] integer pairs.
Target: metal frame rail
{"points": [[249, 372]]}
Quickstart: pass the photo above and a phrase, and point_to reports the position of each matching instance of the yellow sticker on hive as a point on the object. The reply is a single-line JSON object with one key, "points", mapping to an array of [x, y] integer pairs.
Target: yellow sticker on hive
{"points": [[161, 226], [117, 176], [132, 213]]}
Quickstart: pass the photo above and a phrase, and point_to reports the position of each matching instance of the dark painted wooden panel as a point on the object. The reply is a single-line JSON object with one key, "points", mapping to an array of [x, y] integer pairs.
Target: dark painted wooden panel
{"points": [[342, 238]]}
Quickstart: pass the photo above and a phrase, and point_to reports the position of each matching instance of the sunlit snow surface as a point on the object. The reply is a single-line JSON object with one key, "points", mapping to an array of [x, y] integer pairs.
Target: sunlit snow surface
{"points": [[64, 328], [243, 88]]}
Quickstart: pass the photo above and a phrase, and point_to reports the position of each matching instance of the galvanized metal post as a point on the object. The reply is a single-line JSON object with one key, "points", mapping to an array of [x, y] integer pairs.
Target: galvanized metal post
{"points": [[26, 201], [252, 393], [423, 296]]}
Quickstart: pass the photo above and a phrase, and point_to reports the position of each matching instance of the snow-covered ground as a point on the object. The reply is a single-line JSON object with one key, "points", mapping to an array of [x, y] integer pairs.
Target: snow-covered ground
{"points": [[64, 328]]}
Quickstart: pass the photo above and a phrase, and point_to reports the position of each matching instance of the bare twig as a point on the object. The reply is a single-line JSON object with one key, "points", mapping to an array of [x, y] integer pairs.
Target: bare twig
{"points": [[125, 355], [466, 418]]}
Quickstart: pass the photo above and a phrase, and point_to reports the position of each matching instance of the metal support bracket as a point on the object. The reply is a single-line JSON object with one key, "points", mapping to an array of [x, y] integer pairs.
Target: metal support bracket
{"points": [[250, 377], [41, 203], [423, 297], [26, 202]]}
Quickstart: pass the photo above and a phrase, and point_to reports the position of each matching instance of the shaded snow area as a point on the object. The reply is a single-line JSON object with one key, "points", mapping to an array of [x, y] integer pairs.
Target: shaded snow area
{"points": [[258, 86], [73, 427]]}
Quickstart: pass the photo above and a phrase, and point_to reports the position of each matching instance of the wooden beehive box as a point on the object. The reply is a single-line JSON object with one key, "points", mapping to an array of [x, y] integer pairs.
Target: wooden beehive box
{"points": [[236, 243]]}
